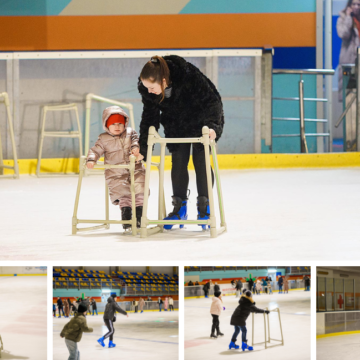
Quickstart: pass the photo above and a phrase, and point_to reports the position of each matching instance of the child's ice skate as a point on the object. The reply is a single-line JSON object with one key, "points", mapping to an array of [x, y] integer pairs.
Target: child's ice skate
{"points": [[179, 212], [111, 344], [203, 210], [139, 210], [245, 346], [213, 336], [126, 214], [101, 342], [233, 346]]}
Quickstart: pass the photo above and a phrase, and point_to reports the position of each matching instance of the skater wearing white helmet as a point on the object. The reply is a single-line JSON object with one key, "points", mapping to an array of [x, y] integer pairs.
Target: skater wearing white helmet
{"points": [[238, 319]]}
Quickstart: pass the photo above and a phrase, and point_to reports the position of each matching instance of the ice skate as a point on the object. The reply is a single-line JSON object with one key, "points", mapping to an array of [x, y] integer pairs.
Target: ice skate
{"points": [[232, 345], [101, 342], [111, 344], [139, 210], [126, 214], [179, 212], [203, 210], [245, 346], [213, 336], [218, 332]]}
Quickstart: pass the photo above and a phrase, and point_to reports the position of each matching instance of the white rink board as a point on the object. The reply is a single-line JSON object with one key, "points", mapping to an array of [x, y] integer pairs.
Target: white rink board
{"points": [[23, 270], [266, 211], [147, 336], [23, 317], [295, 319], [344, 347]]}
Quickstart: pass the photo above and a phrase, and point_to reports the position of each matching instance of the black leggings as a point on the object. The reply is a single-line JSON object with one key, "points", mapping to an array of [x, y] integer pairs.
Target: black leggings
{"points": [[110, 325], [215, 324], [180, 174]]}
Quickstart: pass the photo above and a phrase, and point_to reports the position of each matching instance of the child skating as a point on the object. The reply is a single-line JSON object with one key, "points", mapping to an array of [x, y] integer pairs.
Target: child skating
{"points": [[73, 330], [215, 311], [116, 144], [109, 318], [238, 320]]}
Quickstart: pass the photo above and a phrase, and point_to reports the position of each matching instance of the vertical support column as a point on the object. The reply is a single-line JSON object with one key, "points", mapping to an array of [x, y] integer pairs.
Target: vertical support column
{"points": [[133, 205], [76, 206], [358, 102], [320, 127], [257, 106], [9, 90], [303, 147], [328, 65], [161, 183], [16, 103]]}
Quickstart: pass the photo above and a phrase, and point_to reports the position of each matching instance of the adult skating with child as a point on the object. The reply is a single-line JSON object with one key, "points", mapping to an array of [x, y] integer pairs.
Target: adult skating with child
{"points": [[109, 318], [239, 317], [215, 311], [116, 144], [178, 96]]}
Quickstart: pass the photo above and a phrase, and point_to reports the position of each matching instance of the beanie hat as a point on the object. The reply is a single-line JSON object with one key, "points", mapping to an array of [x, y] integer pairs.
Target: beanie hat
{"points": [[82, 308], [248, 293], [115, 119], [113, 296], [217, 293]]}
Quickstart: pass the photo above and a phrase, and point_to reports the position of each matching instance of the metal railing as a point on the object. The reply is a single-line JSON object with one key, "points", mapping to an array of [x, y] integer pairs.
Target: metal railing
{"points": [[192, 291], [129, 306], [143, 290], [302, 134], [78, 283], [289, 269]]}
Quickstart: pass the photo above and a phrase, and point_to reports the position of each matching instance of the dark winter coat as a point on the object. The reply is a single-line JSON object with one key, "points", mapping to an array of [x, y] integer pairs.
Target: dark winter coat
{"points": [[239, 285], [242, 312], [194, 103], [280, 281], [94, 305], [112, 307], [251, 284], [216, 288], [74, 329], [307, 281], [60, 304], [206, 287]]}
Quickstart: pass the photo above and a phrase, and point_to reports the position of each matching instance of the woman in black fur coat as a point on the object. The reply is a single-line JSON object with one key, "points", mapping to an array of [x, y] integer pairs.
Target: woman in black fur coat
{"points": [[177, 95]]}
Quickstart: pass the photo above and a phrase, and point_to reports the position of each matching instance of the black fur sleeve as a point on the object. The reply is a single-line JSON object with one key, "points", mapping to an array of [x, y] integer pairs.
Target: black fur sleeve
{"points": [[150, 117], [254, 309], [207, 100]]}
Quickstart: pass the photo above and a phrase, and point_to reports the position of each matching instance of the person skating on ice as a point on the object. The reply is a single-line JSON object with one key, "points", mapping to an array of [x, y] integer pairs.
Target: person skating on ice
{"points": [[160, 302], [141, 305], [177, 95], [116, 145], [171, 303], [215, 311], [73, 330], [109, 318], [239, 317]]}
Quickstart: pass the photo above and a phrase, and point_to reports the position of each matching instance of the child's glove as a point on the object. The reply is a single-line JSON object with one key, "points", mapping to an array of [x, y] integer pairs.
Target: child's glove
{"points": [[223, 307], [267, 312]]}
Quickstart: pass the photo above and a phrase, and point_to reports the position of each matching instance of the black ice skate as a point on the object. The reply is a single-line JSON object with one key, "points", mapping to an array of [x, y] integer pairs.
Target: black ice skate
{"points": [[126, 215], [213, 336], [139, 210]]}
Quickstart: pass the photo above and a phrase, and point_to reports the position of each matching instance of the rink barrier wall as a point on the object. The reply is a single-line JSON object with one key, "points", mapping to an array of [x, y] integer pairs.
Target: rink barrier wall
{"points": [[23, 275], [338, 334], [226, 162], [233, 294]]}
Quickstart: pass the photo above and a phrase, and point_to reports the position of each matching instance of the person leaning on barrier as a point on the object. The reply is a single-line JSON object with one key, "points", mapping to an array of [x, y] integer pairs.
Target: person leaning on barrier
{"points": [[190, 283], [177, 95], [348, 29], [197, 283], [116, 144]]}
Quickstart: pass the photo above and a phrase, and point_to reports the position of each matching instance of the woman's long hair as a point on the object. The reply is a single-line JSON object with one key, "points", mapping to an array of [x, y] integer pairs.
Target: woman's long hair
{"points": [[156, 70], [349, 3]]}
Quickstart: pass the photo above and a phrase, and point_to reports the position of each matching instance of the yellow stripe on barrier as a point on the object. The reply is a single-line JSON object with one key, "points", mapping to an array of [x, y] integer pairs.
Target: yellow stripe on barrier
{"points": [[226, 162], [338, 334], [23, 274]]}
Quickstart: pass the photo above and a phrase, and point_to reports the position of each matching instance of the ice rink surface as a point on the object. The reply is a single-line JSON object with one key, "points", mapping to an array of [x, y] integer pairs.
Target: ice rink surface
{"points": [[147, 336], [344, 347], [23, 314], [265, 209], [295, 320]]}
